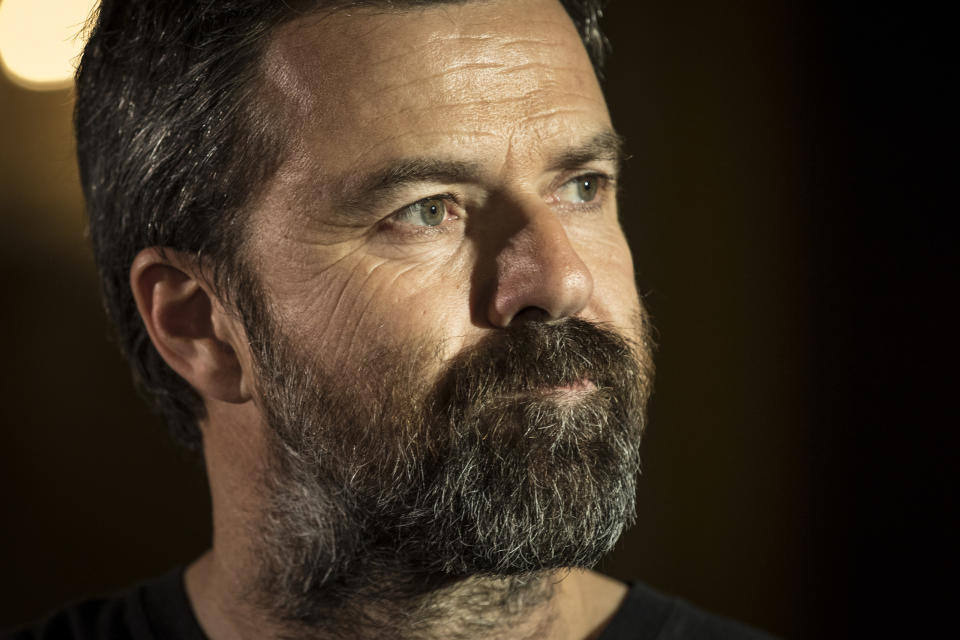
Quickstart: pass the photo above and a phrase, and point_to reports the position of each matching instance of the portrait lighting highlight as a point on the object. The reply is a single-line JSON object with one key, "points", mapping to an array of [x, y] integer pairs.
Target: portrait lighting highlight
{"points": [[41, 40]]}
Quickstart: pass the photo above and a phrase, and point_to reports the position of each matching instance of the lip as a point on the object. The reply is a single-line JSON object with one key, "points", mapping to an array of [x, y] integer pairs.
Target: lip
{"points": [[560, 391], [569, 389], [574, 387]]}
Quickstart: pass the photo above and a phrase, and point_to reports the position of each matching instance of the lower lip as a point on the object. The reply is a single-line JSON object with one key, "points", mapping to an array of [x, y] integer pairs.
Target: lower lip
{"points": [[559, 391]]}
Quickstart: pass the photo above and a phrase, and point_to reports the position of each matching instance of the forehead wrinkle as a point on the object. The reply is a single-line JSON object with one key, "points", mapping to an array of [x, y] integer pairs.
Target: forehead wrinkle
{"points": [[496, 43], [459, 63], [534, 65], [528, 104], [375, 147], [298, 70], [481, 28], [485, 48], [477, 66], [503, 52], [431, 44], [550, 114]]}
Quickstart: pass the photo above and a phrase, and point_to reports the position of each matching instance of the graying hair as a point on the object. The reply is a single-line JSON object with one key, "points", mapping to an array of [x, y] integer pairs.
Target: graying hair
{"points": [[174, 139]]}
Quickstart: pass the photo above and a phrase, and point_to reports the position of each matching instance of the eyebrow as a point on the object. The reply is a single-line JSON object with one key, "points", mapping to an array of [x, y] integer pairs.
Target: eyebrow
{"points": [[355, 192], [606, 146], [399, 174]]}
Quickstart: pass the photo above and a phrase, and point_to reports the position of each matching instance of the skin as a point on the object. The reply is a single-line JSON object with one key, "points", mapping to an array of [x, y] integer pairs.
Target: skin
{"points": [[505, 89]]}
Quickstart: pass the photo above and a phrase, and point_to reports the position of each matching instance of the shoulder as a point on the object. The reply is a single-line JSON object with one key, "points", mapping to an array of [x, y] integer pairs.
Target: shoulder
{"points": [[646, 614], [151, 610], [91, 619]]}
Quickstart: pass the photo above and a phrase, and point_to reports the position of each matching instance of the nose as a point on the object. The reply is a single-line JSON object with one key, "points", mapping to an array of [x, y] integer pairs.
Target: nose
{"points": [[539, 275]]}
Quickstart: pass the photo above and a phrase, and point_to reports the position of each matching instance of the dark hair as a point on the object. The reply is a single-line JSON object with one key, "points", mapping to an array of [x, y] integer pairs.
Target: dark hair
{"points": [[174, 139]]}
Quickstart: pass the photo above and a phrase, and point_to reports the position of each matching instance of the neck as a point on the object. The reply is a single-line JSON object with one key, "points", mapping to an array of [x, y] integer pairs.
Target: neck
{"points": [[238, 589], [570, 605], [503, 608]]}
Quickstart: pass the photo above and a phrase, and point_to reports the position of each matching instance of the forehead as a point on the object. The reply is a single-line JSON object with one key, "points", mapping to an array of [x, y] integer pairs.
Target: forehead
{"points": [[367, 83]]}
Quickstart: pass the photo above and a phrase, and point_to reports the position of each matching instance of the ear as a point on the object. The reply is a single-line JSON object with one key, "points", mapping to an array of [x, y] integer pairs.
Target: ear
{"points": [[188, 325]]}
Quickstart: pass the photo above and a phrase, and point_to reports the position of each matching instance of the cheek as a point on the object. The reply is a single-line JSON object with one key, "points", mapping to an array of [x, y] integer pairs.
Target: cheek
{"points": [[426, 305], [608, 257], [360, 307]]}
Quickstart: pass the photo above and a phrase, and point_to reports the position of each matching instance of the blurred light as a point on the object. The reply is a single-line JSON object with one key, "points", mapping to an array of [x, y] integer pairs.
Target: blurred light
{"points": [[41, 40]]}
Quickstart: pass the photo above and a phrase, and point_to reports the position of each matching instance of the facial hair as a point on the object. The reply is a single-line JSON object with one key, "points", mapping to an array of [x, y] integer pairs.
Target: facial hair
{"points": [[385, 485]]}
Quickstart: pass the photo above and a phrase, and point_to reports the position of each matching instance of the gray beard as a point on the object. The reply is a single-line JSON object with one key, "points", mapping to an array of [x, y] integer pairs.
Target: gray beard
{"points": [[390, 504]]}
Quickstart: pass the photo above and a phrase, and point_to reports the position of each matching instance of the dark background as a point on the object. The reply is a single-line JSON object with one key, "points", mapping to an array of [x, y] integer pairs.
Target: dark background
{"points": [[787, 206]]}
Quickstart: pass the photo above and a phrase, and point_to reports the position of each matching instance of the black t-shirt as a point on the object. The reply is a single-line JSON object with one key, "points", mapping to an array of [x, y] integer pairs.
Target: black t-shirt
{"points": [[159, 610]]}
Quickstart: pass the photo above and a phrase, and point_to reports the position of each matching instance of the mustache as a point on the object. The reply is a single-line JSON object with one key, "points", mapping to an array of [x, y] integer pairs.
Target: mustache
{"points": [[536, 355]]}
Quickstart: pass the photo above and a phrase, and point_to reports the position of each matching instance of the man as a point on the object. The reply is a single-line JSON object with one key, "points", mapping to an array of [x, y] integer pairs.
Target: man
{"points": [[366, 256]]}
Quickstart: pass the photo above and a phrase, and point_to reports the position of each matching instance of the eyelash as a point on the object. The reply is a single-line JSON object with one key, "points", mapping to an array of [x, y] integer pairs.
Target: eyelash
{"points": [[411, 230], [605, 181]]}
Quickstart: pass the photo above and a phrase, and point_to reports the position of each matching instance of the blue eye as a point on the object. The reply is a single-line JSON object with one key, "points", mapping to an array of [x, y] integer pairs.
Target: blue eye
{"points": [[428, 212]]}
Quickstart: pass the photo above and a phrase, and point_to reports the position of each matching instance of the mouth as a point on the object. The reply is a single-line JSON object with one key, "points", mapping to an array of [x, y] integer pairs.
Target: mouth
{"points": [[573, 387], [568, 394], [569, 390]]}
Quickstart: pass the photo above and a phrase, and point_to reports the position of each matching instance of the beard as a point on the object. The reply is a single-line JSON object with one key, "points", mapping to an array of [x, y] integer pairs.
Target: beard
{"points": [[384, 484]]}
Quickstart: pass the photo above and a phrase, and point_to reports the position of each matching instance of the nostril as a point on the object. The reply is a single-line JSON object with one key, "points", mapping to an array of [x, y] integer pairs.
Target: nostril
{"points": [[530, 314]]}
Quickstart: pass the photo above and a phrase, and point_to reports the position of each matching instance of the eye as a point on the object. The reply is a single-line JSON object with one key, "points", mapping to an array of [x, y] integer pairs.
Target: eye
{"points": [[581, 189], [429, 212]]}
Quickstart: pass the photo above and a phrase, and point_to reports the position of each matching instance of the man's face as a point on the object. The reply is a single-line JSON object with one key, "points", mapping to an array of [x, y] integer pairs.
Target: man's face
{"points": [[489, 110], [439, 253]]}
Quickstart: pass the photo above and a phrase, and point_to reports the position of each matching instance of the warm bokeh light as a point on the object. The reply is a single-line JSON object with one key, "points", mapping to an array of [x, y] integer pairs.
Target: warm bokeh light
{"points": [[40, 40]]}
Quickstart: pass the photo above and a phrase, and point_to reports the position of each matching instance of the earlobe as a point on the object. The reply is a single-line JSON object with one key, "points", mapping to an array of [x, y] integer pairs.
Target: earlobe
{"points": [[182, 317]]}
